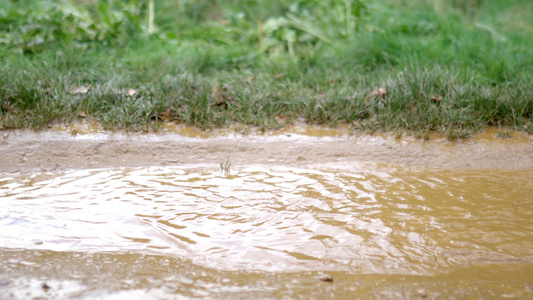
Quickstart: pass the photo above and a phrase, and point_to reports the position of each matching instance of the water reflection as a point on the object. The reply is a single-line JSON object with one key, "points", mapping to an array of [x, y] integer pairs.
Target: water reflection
{"points": [[377, 220]]}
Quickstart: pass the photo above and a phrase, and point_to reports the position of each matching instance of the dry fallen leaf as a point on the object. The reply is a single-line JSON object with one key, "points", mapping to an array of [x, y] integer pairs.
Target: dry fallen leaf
{"points": [[81, 90], [326, 278], [167, 114], [376, 93], [281, 119], [222, 100], [82, 114], [5, 106], [436, 99], [131, 92], [216, 93]]}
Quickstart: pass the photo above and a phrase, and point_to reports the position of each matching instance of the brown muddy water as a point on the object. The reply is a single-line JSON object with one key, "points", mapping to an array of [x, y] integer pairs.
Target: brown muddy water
{"points": [[282, 229]]}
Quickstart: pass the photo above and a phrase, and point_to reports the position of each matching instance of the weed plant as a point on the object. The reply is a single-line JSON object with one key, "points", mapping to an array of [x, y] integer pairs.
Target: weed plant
{"points": [[225, 168], [445, 66]]}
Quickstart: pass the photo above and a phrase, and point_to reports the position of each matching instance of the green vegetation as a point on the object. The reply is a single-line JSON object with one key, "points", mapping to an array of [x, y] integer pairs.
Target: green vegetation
{"points": [[225, 167], [419, 66]]}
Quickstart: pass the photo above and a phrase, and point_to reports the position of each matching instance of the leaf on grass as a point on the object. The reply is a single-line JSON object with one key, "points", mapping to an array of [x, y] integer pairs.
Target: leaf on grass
{"points": [[222, 99], [281, 119], [216, 93], [6, 106], [436, 99], [81, 90], [82, 114], [376, 93], [131, 92], [167, 114]]}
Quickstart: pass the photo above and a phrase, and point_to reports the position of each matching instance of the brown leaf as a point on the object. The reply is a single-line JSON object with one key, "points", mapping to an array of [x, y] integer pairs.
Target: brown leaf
{"points": [[436, 99], [82, 114], [6, 106], [216, 93], [326, 278], [45, 287], [331, 81], [376, 93], [222, 99], [167, 114], [81, 90]]}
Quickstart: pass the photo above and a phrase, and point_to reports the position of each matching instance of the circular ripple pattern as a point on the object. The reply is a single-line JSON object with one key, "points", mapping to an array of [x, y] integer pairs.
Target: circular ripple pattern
{"points": [[366, 220]]}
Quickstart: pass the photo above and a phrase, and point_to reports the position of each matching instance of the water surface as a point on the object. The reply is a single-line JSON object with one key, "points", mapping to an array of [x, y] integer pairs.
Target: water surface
{"points": [[378, 231]]}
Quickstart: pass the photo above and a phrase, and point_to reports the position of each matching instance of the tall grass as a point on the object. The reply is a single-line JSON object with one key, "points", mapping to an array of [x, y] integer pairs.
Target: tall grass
{"points": [[446, 66]]}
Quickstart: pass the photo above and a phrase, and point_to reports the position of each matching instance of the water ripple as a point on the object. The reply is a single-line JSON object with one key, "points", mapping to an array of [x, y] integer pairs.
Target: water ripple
{"points": [[277, 218]]}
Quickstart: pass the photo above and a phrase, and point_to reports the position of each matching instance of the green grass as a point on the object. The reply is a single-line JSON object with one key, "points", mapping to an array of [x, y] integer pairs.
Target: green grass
{"points": [[447, 66]]}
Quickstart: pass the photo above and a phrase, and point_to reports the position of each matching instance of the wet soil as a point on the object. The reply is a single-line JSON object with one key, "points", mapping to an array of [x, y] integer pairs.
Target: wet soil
{"points": [[80, 147]]}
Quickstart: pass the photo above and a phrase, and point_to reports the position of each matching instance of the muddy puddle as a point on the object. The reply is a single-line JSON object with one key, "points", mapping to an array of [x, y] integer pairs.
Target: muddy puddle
{"points": [[154, 217]]}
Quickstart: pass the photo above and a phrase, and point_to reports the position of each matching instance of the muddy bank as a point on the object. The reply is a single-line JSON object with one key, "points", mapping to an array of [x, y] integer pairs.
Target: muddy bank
{"points": [[25, 151]]}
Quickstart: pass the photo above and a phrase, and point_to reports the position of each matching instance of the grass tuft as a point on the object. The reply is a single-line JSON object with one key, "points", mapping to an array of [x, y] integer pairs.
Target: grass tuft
{"points": [[450, 66]]}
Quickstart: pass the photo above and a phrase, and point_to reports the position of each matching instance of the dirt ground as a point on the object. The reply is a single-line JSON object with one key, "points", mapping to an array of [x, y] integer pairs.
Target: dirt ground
{"points": [[26, 151]]}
